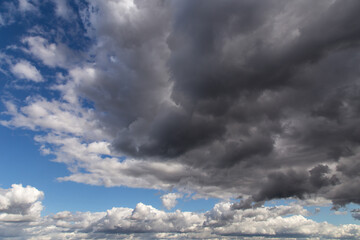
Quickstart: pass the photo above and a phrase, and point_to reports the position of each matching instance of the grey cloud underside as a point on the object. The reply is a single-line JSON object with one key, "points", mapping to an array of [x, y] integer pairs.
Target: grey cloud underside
{"points": [[250, 92]]}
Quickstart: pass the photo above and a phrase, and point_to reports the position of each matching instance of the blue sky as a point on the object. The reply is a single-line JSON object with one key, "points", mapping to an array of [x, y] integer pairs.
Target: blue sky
{"points": [[26, 165], [178, 119]]}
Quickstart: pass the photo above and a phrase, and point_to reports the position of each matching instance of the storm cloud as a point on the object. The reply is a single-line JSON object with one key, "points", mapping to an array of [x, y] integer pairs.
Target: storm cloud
{"points": [[252, 88], [220, 98]]}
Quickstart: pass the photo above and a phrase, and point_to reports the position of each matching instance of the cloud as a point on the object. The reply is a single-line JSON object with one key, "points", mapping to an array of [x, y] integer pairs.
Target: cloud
{"points": [[19, 204], [23, 69], [59, 117], [340, 212], [28, 5], [62, 9], [169, 200], [145, 221], [220, 99], [2, 22], [7, 17], [51, 54], [216, 101], [356, 214]]}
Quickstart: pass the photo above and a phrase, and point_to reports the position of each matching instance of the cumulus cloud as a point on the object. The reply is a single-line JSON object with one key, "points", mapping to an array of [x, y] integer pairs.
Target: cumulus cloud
{"points": [[169, 200], [144, 221], [19, 203], [25, 70], [221, 98]]}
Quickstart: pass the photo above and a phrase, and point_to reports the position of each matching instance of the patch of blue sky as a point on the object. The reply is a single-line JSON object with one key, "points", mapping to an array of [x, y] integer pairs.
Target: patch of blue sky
{"points": [[22, 163], [25, 165], [335, 217], [71, 196], [22, 88], [200, 205]]}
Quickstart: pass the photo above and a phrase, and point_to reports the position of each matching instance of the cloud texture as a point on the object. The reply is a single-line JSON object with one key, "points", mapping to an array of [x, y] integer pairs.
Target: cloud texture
{"points": [[20, 204], [20, 209], [218, 98], [169, 200]]}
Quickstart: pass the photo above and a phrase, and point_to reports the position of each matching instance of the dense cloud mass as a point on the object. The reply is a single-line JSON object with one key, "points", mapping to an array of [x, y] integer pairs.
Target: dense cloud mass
{"points": [[247, 88], [218, 98]]}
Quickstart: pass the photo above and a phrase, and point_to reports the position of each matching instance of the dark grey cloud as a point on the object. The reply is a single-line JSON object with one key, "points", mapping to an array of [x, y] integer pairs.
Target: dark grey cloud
{"points": [[295, 183], [209, 98], [172, 134], [261, 96], [222, 98], [318, 178]]}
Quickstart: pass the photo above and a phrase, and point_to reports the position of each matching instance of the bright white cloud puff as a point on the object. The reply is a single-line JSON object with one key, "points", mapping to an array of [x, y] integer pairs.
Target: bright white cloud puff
{"points": [[25, 70], [169, 200], [19, 203]]}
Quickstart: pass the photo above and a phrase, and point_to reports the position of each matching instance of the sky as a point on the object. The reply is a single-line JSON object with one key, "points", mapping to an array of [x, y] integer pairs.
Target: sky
{"points": [[165, 119]]}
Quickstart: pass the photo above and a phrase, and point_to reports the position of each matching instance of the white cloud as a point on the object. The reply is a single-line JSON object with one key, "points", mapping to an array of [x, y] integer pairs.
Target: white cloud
{"points": [[169, 200], [20, 203], [23, 69], [110, 171], [340, 212], [77, 140], [51, 54], [315, 201], [62, 9], [58, 117]]}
